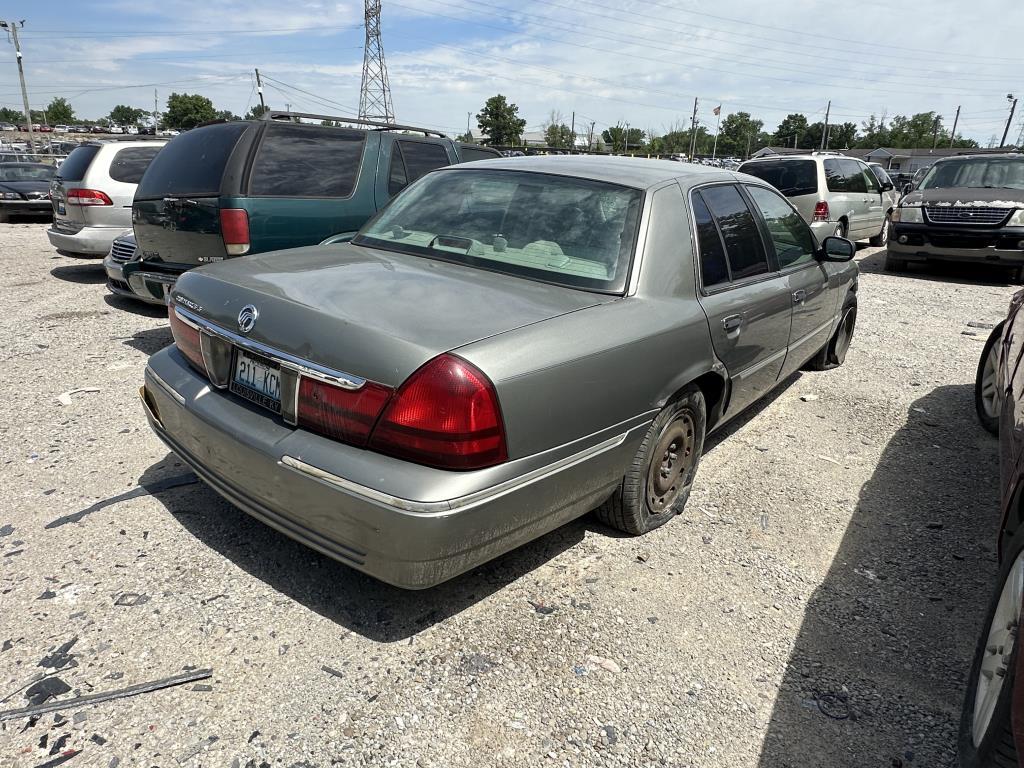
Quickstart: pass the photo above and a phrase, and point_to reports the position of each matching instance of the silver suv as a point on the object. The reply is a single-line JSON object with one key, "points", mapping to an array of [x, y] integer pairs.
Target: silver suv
{"points": [[92, 194], [836, 195]]}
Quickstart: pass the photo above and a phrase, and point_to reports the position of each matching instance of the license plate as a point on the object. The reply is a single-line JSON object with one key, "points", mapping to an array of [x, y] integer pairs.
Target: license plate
{"points": [[257, 380], [61, 209]]}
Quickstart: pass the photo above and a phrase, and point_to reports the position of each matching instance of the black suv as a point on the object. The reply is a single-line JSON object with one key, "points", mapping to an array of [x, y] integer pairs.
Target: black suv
{"points": [[234, 188]]}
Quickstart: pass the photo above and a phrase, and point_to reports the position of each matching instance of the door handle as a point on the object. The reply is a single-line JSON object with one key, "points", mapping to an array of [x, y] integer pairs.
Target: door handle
{"points": [[799, 296], [732, 323]]}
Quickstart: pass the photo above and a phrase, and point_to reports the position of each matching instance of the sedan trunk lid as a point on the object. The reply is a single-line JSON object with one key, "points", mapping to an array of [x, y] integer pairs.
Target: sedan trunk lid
{"points": [[374, 314]]}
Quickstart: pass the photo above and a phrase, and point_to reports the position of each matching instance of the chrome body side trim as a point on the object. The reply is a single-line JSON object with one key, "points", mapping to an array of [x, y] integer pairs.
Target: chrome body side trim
{"points": [[178, 398], [285, 360], [461, 502]]}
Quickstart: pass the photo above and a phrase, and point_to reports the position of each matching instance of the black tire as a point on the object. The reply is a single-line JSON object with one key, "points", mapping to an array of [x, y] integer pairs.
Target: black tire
{"points": [[988, 417], [894, 263], [840, 230], [833, 354], [996, 747], [882, 238], [638, 504]]}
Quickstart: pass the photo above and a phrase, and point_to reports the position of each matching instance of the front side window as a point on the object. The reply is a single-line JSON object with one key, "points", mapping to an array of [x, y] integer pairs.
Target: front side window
{"points": [[835, 177], [743, 245], [791, 237], [573, 232], [855, 181], [131, 162], [307, 161]]}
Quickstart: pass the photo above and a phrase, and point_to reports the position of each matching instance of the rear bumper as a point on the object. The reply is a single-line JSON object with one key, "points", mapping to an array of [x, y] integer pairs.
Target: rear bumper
{"points": [[923, 242], [405, 524], [117, 283], [93, 241]]}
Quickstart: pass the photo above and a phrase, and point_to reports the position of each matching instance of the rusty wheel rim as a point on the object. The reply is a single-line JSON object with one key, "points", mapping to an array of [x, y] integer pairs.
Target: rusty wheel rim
{"points": [[671, 463]]}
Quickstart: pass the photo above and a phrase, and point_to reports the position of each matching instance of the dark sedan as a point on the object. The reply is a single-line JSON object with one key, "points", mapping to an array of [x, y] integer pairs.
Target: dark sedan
{"points": [[25, 189], [508, 345]]}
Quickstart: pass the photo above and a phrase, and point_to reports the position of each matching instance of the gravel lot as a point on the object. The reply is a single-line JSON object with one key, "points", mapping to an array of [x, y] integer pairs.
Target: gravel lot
{"points": [[817, 603]]}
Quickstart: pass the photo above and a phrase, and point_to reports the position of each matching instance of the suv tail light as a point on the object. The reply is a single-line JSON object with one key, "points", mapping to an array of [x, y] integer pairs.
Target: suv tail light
{"points": [[820, 211], [79, 196], [234, 228], [342, 414], [445, 415], [186, 337]]}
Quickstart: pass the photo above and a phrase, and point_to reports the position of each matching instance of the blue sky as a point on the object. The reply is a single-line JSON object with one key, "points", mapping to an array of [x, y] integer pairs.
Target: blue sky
{"points": [[610, 62]]}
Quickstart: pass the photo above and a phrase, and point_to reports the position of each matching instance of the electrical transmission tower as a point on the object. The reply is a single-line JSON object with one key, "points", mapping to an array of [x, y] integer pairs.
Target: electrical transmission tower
{"points": [[375, 92]]}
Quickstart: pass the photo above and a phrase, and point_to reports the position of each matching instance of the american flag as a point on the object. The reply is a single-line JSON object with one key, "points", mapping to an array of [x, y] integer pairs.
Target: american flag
{"points": [[717, 110]]}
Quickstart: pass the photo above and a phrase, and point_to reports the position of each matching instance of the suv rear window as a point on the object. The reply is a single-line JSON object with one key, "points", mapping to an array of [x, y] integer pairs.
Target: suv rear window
{"points": [[307, 162], [192, 163], [77, 163], [131, 162], [790, 177]]}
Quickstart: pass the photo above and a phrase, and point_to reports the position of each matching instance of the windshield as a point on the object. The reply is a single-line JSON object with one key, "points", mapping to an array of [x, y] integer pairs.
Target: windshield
{"points": [[557, 229], [32, 172], [977, 172]]}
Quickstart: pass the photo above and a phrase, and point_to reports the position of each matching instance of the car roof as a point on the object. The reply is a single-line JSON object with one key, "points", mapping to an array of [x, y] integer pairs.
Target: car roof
{"points": [[983, 156], [637, 172]]}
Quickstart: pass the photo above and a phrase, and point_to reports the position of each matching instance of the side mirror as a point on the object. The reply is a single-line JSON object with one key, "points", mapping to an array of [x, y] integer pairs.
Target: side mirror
{"points": [[887, 186], [837, 249]]}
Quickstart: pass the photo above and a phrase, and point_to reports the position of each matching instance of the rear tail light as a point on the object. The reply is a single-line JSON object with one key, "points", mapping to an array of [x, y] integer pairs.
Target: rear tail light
{"points": [[186, 337], [342, 414], [88, 197], [234, 228], [820, 211], [445, 415]]}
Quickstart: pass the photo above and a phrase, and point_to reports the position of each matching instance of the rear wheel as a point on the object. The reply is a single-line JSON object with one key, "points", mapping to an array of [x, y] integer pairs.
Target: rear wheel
{"points": [[833, 354], [987, 401], [986, 732], [840, 230], [658, 482], [882, 237]]}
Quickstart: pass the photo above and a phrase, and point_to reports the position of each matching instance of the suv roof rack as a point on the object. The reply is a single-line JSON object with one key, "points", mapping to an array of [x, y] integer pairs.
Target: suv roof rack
{"points": [[274, 114]]}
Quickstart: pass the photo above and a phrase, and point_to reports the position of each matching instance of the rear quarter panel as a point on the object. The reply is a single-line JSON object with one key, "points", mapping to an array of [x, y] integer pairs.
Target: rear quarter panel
{"points": [[611, 366]]}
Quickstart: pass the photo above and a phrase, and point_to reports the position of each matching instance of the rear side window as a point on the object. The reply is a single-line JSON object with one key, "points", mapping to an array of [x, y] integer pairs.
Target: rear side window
{"points": [[791, 177], [77, 163], [854, 173], [713, 269], [307, 162], [743, 244], [131, 162], [192, 163], [469, 154], [835, 177]]}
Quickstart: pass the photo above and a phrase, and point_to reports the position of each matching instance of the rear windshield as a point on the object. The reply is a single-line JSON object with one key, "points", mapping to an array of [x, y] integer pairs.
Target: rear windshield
{"points": [[131, 162], [469, 154], [192, 163], [77, 163], [557, 229], [978, 172], [790, 177], [307, 162], [26, 172]]}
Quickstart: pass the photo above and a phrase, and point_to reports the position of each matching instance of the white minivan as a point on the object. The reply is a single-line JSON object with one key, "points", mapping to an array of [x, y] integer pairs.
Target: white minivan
{"points": [[92, 194]]}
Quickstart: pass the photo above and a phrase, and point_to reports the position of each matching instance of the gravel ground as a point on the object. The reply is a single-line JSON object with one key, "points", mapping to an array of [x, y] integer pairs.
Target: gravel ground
{"points": [[816, 604]]}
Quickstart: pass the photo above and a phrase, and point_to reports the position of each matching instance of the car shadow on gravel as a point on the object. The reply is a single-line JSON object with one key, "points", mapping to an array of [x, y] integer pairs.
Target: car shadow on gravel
{"points": [[125, 304], [345, 596], [150, 341], [876, 675], [92, 274], [941, 271]]}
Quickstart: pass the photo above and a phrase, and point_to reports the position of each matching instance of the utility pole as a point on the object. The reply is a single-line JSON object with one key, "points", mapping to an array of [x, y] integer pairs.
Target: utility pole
{"points": [[12, 28], [1009, 97], [375, 89], [824, 132], [935, 130], [749, 137], [693, 130], [625, 140], [259, 90], [590, 137], [952, 135], [156, 124], [468, 134], [794, 139], [572, 131]]}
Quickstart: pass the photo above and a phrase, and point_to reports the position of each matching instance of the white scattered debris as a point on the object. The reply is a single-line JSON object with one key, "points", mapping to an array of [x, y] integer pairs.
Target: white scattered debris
{"points": [[606, 664], [808, 398], [64, 398]]}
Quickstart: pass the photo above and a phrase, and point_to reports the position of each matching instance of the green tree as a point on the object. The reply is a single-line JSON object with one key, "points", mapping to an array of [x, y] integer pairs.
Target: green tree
{"points": [[617, 137], [737, 132], [256, 112], [122, 114], [466, 138], [791, 131], [60, 111], [500, 121], [873, 133], [8, 115], [559, 136], [227, 114], [187, 110]]}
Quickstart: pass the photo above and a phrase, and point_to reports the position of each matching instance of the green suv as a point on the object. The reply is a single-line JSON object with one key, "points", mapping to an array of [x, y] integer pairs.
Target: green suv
{"points": [[235, 188]]}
